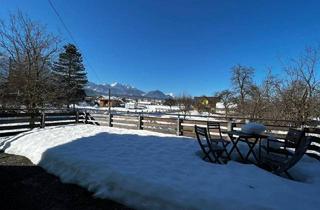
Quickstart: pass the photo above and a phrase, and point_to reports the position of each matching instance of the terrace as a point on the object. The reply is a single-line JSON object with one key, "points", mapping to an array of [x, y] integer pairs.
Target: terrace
{"points": [[151, 170]]}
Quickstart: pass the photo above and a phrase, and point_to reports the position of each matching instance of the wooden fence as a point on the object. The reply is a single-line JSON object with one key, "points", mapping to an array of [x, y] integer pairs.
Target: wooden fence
{"points": [[182, 125], [12, 123], [185, 127], [15, 123]]}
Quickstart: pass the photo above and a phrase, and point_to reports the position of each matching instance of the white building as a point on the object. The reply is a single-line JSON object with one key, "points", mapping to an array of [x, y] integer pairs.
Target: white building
{"points": [[131, 105]]}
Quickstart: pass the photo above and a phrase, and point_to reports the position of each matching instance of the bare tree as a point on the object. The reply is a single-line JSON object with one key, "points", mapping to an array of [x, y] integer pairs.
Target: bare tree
{"points": [[228, 100], [317, 105], [170, 102], [185, 103], [242, 81], [3, 79], [301, 88], [269, 90], [260, 100], [30, 50]]}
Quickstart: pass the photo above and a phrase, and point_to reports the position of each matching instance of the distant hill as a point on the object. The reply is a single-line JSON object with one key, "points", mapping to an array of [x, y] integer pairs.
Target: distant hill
{"points": [[156, 94], [117, 89]]}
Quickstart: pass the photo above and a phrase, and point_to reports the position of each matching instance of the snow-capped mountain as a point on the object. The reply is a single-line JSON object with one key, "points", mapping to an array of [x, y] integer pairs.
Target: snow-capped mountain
{"points": [[118, 89]]}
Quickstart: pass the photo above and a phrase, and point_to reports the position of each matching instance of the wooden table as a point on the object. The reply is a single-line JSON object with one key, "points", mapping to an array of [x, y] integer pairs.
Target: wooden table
{"points": [[236, 136]]}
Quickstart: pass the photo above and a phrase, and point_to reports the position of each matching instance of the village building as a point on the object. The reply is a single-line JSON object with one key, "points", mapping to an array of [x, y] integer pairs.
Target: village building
{"points": [[207, 103], [103, 101]]}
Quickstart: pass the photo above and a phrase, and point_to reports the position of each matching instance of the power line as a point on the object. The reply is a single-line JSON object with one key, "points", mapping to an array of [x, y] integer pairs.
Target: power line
{"points": [[71, 36], [61, 20]]}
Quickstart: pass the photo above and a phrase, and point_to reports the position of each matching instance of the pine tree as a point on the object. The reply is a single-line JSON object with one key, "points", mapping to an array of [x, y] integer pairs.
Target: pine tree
{"points": [[70, 76]]}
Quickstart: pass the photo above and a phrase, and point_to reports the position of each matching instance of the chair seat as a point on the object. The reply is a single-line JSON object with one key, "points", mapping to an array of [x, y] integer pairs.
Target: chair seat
{"points": [[277, 150], [220, 140], [217, 147], [273, 161], [214, 147], [273, 157]]}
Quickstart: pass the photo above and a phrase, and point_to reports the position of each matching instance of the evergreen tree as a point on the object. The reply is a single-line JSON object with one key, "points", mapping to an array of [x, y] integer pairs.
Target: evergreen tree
{"points": [[70, 76]]}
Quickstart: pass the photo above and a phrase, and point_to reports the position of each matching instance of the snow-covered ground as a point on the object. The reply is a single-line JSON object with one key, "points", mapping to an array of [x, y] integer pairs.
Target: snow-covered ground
{"points": [[148, 170], [195, 115], [145, 109], [162, 111]]}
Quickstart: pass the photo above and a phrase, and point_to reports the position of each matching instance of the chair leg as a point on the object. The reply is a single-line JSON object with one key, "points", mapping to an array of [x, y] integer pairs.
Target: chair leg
{"points": [[225, 150], [216, 157], [206, 156], [285, 172], [288, 175], [210, 158], [227, 156]]}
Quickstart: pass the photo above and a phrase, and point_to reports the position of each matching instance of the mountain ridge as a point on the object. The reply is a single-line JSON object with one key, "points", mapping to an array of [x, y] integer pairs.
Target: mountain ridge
{"points": [[118, 89]]}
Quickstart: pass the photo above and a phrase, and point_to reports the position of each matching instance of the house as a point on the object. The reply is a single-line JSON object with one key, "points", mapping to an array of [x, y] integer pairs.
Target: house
{"points": [[206, 103], [206, 100], [103, 101], [131, 105]]}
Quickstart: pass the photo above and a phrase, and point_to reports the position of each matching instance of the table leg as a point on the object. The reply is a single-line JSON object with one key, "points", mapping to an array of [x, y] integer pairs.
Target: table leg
{"points": [[251, 151], [259, 149], [235, 142]]}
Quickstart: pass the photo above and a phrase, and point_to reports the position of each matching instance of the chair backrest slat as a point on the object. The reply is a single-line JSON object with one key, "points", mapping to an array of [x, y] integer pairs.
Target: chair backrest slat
{"points": [[293, 137], [201, 134], [214, 126]]}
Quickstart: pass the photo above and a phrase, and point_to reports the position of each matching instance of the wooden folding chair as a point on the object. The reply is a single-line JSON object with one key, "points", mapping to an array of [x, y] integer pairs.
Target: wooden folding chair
{"points": [[212, 152], [215, 134], [280, 164], [291, 140]]}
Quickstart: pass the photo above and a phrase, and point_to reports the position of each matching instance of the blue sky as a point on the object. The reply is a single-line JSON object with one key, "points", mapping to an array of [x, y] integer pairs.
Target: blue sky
{"points": [[179, 45]]}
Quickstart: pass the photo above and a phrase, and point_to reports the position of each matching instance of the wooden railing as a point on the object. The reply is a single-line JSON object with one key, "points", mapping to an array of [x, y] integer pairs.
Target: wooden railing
{"points": [[184, 125], [179, 126], [15, 123], [170, 123]]}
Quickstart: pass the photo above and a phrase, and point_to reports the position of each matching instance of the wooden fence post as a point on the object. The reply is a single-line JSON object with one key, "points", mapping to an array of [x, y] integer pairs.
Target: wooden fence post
{"points": [[140, 118], [179, 121], [110, 119], [77, 117], [43, 120], [85, 118], [32, 120], [230, 124], [303, 125]]}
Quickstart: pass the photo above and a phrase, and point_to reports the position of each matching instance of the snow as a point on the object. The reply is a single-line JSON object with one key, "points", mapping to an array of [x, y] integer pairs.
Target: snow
{"points": [[148, 170], [114, 84], [145, 109], [254, 128], [220, 105], [170, 94]]}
